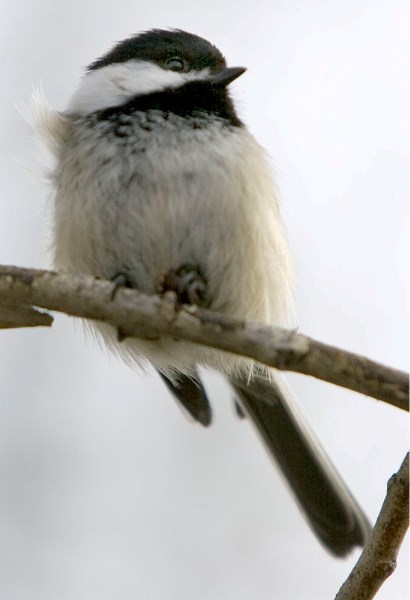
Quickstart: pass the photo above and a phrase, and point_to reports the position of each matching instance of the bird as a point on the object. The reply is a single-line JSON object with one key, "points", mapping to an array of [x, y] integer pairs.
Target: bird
{"points": [[158, 185]]}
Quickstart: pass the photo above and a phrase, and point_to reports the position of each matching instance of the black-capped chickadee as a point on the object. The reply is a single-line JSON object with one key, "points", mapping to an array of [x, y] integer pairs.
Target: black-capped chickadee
{"points": [[158, 185]]}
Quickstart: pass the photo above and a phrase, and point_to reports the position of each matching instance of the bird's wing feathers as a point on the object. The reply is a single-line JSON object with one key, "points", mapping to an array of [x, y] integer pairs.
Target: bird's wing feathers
{"points": [[191, 394]]}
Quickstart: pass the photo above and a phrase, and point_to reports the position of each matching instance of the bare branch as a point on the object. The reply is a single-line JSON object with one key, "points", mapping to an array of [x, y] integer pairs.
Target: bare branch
{"points": [[136, 314], [378, 559], [139, 315]]}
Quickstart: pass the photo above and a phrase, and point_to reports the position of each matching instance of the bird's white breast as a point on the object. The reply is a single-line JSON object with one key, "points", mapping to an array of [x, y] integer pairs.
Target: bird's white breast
{"points": [[150, 194]]}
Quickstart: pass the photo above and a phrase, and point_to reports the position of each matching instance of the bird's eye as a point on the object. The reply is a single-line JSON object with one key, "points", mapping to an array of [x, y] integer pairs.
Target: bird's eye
{"points": [[175, 64]]}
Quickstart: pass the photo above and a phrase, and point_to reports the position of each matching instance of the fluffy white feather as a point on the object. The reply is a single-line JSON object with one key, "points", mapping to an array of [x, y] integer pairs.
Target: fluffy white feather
{"points": [[51, 127]]}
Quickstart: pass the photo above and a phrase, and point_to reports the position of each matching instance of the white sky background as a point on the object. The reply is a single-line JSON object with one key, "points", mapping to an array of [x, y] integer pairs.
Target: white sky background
{"points": [[106, 490]]}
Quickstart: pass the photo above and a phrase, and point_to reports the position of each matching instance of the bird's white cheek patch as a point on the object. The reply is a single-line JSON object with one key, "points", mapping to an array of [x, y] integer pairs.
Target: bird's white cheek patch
{"points": [[116, 84]]}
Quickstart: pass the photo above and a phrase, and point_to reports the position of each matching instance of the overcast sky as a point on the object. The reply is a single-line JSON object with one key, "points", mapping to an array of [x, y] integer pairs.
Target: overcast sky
{"points": [[106, 490]]}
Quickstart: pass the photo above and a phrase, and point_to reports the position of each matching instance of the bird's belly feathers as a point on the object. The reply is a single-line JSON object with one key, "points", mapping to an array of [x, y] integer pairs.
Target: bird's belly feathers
{"points": [[144, 212]]}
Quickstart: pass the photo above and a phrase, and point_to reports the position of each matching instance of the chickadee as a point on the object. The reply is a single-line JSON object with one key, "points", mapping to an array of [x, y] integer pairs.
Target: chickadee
{"points": [[158, 185]]}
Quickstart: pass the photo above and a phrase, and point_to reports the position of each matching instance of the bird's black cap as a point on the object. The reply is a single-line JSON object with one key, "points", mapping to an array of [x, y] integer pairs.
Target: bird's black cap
{"points": [[159, 45]]}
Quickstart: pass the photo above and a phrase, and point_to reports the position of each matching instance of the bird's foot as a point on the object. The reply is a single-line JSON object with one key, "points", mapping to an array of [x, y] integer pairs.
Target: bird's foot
{"points": [[188, 283], [119, 280]]}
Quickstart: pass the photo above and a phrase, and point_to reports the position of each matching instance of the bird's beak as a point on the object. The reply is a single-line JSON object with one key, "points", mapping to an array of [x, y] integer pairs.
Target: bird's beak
{"points": [[226, 76]]}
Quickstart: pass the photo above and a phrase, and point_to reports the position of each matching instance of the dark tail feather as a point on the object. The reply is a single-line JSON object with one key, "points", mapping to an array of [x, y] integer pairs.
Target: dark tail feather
{"points": [[191, 394], [329, 507]]}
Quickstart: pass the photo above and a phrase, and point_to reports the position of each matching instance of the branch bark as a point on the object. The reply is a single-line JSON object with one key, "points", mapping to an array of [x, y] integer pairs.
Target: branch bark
{"points": [[378, 559], [139, 315]]}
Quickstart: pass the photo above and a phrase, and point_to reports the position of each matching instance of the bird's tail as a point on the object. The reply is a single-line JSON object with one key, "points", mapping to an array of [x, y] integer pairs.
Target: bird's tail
{"points": [[329, 507]]}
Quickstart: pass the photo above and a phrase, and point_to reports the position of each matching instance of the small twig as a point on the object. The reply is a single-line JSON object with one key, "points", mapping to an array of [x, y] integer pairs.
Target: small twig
{"points": [[23, 316], [378, 559], [139, 315]]}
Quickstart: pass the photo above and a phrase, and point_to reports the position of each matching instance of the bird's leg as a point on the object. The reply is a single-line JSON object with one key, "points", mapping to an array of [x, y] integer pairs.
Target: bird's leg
{"points": [[120, 280], [188, 283]]}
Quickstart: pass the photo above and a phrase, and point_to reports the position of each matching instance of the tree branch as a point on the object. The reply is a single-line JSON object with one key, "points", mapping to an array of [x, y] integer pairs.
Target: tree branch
{"points": [[378, 559], [139, 315]]}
